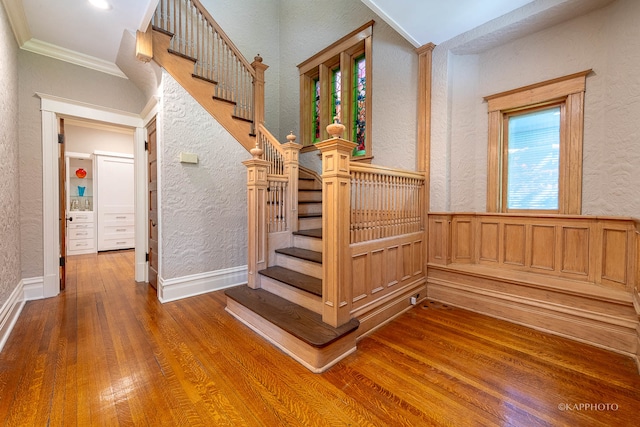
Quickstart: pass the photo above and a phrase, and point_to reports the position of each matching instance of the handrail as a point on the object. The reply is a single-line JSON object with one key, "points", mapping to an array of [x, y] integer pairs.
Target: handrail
{"points": [[273, 151], [198, 36]]}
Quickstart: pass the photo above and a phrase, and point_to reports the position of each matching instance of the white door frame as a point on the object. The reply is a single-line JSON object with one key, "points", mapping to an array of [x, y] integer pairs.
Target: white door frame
{"points": [[52, 107]]}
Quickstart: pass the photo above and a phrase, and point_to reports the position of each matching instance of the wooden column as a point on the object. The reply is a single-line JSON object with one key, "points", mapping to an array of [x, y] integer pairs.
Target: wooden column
{"points": [[258, 90], [291, 169], [336, 212], [257, 216], [144, 45]]}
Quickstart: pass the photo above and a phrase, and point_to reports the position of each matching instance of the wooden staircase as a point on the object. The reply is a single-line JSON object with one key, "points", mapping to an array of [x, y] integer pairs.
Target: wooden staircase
{"points": [[287, 308], [283, 302]]}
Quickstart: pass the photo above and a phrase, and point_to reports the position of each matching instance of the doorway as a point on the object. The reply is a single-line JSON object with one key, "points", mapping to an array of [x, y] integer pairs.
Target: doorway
{"points": [[53, 108]]}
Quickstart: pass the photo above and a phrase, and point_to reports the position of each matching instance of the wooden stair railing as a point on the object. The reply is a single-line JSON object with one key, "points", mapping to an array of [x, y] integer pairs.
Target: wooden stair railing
{"points": [[197, 35], [186, 41]]}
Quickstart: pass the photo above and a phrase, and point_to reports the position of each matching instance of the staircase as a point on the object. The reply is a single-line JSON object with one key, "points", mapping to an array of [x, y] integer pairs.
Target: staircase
{"points": [[287, 308]]}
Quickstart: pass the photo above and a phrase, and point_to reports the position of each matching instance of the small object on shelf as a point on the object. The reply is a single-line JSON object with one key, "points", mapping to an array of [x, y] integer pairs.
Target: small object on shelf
{"points": [[81, 190], [81, 173], [75, 205], [87, 205]]}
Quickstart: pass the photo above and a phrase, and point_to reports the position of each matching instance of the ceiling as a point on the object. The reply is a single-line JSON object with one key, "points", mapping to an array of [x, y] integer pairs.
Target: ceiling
{"points": [[77, 32]]}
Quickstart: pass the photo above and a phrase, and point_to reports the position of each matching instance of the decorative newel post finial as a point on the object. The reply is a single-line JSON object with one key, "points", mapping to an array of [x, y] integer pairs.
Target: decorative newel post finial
{"points": [[291, 137], [256, 151], [336, 128], [258, 58]]}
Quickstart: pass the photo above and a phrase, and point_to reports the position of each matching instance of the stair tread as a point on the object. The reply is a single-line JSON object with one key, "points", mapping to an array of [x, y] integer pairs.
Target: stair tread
{"points": [[300, 322], [313, 232], [302, 281], [305, 254]]}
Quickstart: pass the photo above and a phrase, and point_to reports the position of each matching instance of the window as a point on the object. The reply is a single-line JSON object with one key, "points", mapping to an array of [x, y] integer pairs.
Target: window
{"points": [[535, 147], [334, 82], [531, 160]]}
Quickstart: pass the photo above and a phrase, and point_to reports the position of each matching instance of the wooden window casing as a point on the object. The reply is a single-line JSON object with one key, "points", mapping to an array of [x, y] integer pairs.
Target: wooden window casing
{"points": [[568, 93], [342, 55]]}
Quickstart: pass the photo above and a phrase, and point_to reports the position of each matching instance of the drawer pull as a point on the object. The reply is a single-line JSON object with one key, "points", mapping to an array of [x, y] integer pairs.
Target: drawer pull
{"points": [[121, 229], [121, 243], [82, 233], [82, 226], [82, 244], [121, 217]]}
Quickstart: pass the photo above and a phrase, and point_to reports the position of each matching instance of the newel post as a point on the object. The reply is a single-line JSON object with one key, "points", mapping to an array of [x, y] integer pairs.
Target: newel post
{"points": [[258, 90], [336, 214], [291, 169], [257, 216]]}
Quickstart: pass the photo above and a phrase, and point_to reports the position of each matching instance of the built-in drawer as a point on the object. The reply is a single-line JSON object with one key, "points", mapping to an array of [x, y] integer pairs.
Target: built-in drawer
{"points": [[81, 244], [119, 243], [81, 217], [79, 225], [118, 218], [81, 233]]}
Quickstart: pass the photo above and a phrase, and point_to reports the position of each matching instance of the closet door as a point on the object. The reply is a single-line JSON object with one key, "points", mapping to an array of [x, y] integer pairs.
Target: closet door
{"points": [[115, 194]]}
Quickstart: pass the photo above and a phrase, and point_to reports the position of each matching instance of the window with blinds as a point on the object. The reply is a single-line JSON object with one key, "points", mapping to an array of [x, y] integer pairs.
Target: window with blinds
{"points": [[532, 154]]}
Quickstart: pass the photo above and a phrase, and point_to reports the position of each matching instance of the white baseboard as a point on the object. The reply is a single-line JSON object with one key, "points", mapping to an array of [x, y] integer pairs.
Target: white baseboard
{"points": [[197, 284], [10, 312], [33, 288]]}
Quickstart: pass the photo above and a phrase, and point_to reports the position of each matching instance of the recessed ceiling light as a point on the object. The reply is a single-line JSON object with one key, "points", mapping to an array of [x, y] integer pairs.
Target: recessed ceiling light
{"points": [[101, 4]]}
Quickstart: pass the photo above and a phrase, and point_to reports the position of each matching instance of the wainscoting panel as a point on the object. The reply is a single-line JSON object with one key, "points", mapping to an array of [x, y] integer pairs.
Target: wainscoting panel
{"points": [[380, 266]]}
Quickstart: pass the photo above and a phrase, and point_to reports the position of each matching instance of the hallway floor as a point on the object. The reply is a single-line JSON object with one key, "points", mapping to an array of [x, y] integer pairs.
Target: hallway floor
{"points": [[106, 352]]}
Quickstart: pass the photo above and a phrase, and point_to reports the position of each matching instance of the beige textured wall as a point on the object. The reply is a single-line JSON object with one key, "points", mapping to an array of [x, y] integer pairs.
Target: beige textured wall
{"points": [[203, 206], [42, 74], [606, 40], [9, 185]]}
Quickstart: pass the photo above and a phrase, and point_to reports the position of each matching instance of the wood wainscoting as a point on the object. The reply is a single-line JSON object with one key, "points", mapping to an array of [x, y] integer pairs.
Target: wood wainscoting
{"points": [[575, 276], [385, 274]]}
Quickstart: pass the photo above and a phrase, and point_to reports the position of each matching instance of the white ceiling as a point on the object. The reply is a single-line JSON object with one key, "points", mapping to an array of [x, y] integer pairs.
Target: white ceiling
{"points": [[435, 21], [74, 31]]}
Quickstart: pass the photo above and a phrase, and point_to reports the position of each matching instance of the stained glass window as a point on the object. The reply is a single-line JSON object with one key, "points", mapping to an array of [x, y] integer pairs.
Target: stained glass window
{"points": [[336, 89], [359, 111], [316, 111]]}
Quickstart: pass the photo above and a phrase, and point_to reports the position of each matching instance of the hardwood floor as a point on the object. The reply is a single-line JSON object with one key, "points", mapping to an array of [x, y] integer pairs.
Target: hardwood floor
{"points": [[106, 352]]}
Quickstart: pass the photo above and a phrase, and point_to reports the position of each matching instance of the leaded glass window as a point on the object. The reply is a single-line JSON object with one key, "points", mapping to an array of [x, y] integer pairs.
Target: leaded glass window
{"points": [[359, 108], [336, 94], [316, 111]]}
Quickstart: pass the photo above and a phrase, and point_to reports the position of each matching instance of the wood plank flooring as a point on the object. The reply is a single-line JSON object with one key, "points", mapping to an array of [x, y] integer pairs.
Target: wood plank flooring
{"points": [[106, 352]]}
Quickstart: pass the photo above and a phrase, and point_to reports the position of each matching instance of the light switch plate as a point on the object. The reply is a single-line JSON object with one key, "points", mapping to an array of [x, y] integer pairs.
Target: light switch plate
{"points": [[188, 158]]}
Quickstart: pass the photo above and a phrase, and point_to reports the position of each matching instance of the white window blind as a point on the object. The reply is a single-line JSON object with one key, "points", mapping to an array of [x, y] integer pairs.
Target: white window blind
{"points": [[533, 160]]}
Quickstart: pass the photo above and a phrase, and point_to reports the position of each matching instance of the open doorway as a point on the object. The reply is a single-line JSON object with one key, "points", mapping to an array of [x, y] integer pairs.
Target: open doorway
{"points": [[52, 109]]}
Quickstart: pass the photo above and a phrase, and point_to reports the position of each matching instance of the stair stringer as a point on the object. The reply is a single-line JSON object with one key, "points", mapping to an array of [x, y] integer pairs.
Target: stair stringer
{"points": [[181, 69]]}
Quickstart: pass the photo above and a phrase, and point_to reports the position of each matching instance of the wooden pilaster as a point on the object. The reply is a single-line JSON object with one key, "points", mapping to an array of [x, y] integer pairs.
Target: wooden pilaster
{"points": [[291, 169], [257, 218], [336, 210], [258, 90]]}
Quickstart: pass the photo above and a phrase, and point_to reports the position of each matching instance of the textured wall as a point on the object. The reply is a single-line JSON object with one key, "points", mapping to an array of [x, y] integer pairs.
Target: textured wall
{"points": [[9, 185], [308, 27], [606, 40], [42, 74], [203, 206]]}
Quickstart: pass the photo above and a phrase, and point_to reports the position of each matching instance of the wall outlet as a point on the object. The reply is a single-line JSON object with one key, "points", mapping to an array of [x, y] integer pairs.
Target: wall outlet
{"points": [[414, 299]]}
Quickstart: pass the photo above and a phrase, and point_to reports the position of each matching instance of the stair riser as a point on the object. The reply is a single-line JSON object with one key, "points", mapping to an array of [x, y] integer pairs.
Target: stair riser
{"points": [[309, 223], [316, 360], [297, 296], [300, 265], [306, 184], [309, 196], [310, 243], [310, 208]]}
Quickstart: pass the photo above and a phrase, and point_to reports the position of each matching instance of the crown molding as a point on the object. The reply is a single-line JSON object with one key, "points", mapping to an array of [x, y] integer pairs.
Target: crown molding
{"points": [[47, 49], [17, 20]]}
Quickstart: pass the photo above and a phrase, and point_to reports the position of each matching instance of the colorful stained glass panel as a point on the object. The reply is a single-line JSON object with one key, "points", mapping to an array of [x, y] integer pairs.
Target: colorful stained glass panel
{"points": [[359, 98]]}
